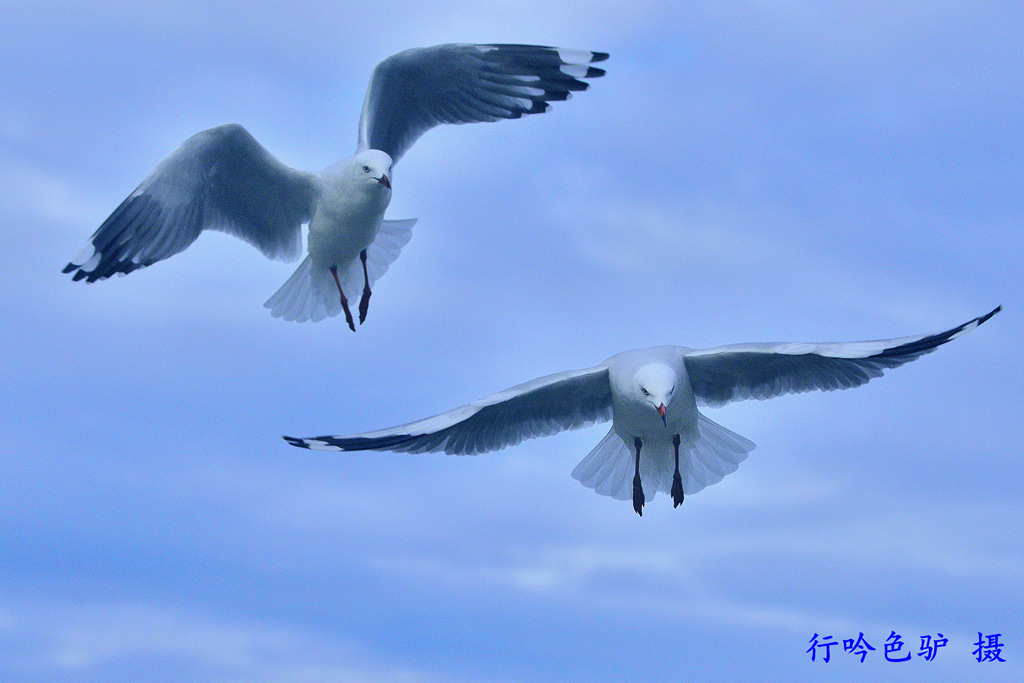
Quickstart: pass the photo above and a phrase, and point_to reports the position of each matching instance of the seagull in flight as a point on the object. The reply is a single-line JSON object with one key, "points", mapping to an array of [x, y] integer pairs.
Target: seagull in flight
{"points": [[651, 396], [223, 179]]}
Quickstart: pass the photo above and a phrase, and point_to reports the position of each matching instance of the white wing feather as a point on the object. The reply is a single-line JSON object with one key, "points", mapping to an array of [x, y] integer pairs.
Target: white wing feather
{"points": [[415, 90], [544, 406], [220, 179], [759, 371]]}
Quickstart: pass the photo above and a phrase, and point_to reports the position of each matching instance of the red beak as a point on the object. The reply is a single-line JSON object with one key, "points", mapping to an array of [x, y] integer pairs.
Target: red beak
{"points": [[661, 411], [383, 180]]}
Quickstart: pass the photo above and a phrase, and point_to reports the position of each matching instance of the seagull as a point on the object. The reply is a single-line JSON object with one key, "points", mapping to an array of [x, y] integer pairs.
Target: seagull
{"points": [[223, 179], [651, 396]]}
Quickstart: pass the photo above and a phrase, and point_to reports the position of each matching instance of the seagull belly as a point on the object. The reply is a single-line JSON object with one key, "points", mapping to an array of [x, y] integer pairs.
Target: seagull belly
{"points": [[632, 419], [337, 238]]}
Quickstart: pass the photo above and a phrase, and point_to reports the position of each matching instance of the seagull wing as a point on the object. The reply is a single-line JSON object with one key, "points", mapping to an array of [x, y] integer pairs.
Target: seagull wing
{"points": [[741, 371], [220, 179], [544, 406], [415, 90]]}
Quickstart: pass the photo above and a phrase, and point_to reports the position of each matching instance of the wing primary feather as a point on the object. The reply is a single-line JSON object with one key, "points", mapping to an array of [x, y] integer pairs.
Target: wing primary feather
{"points": [[412, 91], [569, 400], [931, 342], [762, 371], [220, 179]]}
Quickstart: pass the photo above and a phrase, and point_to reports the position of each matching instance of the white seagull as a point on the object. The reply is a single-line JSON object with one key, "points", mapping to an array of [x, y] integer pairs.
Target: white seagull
{"points": [[651, 397], [222, 179]]}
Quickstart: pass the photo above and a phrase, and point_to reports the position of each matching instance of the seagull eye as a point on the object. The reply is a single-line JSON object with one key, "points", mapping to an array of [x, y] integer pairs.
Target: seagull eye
{"points": [[366, 169], [646, 393]]}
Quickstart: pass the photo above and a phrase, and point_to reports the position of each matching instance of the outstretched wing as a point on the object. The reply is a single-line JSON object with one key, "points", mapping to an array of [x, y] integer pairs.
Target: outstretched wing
{"points": [[415, 90], [220, 179], [741, 371], [545, 406]]}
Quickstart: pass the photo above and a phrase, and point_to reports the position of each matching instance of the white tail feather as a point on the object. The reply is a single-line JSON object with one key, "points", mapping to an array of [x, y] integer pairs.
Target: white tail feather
{"points": [[311, 294], [609, 467], [392, 236]]}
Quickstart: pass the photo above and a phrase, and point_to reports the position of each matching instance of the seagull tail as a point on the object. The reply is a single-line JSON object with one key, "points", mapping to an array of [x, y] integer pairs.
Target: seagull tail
{"points": [[309, 294], [609, 468], [387, 245], [717, 452]]}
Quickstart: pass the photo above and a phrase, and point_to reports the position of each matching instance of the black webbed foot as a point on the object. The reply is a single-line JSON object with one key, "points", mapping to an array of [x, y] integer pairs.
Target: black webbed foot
{"points": [[364, 304], [638, 496], [638, 490], [677, 481], [364, 300], [677, 490]]}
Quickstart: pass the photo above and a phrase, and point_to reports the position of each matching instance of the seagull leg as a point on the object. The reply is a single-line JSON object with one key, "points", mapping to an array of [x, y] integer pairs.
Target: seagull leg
{"points": [[364, 301], [677, 481], [638, 490], [344, 301]]}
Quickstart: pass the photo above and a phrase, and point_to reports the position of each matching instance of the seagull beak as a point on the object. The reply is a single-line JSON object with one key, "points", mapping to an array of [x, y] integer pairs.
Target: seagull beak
{"points": [[383, 180], [661, 411]]}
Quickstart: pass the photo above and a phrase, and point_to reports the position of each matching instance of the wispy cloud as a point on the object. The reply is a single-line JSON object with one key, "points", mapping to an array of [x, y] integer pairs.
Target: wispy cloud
{"points": [[88, 639]]}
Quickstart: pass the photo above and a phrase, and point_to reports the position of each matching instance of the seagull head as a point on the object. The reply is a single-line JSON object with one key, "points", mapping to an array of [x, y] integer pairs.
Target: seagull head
{"points": [[373, 167], [655, 385]]}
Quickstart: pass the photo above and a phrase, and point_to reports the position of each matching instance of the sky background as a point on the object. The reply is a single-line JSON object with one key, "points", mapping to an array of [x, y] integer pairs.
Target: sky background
{"points": [[747, 171]]}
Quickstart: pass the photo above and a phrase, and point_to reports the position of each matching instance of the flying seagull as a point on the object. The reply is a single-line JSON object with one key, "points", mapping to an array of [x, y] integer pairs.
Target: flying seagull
{"points": [[651, 397], [223, 179]]}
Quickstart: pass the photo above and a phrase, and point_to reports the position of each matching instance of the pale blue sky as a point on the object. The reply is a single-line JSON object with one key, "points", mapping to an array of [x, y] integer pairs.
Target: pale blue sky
{"points": [[747, 171]]}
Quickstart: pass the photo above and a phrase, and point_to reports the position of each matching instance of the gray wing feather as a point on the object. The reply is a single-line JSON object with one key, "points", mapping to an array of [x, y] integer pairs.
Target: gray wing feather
{"points": [[220, 179], [415, 90], [544, 406], [760, 371]]}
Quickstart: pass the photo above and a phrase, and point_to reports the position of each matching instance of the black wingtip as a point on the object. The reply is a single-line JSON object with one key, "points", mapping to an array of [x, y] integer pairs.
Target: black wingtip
{"points": [[69, 267], [594, 72], [990, 314], [298, 443], [598, 57]]}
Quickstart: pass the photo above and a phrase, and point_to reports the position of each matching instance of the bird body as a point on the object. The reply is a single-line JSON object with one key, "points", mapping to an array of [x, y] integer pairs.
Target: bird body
{"points": [[223, 179], [662, 373], [350, 209], [654, 410], [651, 396]]}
